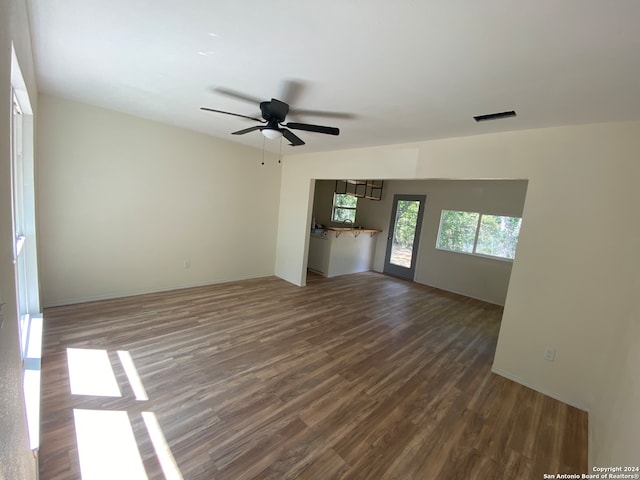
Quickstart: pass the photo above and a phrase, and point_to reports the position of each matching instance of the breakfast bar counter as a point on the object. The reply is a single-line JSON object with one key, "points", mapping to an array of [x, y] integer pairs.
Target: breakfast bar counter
{"points": [[337, 251]]}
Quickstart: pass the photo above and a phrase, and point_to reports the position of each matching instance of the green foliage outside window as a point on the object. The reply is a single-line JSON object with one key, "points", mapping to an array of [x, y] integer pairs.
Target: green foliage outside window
{"points": [[344, 208], [457, 231], [406, 220], [471, 232], [498, 236]]}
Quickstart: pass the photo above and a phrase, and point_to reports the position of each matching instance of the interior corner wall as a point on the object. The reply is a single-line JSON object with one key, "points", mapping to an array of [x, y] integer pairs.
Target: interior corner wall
{"points": [[16, 459], [617, 442], [569, 287], [471, 275], [323, 201], [130, 206]]}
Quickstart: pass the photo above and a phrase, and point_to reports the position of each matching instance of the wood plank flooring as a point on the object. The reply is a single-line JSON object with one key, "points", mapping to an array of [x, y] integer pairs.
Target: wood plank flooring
{"points": [[356, 377]]}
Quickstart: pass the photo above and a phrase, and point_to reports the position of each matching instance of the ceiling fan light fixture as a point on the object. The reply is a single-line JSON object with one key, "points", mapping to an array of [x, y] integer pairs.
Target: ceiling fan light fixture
{"points": [[271, 133]]}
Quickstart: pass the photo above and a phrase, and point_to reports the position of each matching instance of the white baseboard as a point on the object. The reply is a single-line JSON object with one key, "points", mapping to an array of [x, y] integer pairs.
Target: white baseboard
{"points": [[560, 398], [133, 293], [463, 294], [590, 447], [493, 302], [537, 388]]}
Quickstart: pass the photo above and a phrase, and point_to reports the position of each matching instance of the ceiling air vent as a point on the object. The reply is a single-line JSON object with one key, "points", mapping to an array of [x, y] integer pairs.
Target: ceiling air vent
{"points": [[495, 116]]}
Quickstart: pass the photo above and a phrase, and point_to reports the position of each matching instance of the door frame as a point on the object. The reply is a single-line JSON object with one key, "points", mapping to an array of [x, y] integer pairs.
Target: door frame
{"points": [[397, 270]]}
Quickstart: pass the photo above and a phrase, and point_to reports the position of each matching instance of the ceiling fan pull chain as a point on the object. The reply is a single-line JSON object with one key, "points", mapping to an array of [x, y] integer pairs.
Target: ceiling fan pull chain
{"points": [[263, 140], [280, 156]]}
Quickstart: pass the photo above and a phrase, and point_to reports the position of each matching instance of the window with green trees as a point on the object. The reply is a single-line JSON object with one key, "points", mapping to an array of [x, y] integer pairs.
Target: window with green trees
{"points": [[481, 234], [344, 208]]}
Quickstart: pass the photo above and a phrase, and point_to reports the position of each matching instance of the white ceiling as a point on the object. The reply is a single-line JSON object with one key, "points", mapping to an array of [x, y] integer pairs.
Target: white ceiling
{"points": [[406, 69]]}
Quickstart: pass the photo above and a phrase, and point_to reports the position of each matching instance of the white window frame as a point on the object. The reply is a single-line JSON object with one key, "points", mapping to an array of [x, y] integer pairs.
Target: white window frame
{"points": [[25, 250], [474, 252]]}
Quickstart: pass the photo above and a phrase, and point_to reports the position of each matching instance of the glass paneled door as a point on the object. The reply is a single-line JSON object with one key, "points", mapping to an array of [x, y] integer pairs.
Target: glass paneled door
{"points": [[404, 235]]}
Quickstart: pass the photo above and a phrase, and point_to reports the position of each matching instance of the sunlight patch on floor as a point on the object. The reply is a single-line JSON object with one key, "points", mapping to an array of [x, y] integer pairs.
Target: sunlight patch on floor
{"points": [[107, 446], [163, 452], [132, 375], [90, 373]]}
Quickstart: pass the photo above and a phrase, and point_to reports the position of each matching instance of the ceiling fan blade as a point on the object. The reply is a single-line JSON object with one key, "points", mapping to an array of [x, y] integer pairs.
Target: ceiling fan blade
{"points": [[321, 113], [237, 95], [247, 130], [293, 138], [313, 128], [234, 114]]}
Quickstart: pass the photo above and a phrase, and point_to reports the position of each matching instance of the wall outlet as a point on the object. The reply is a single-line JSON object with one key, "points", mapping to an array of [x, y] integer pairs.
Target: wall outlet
{"points": [[549, 354], [187, 263]]}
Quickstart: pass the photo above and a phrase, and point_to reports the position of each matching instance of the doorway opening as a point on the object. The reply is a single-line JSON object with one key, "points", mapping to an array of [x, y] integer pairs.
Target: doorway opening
{"points": [[404, 235]]}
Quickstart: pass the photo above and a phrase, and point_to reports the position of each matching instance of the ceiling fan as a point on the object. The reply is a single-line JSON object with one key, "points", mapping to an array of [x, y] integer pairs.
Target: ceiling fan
{"points": [[274, 113]]}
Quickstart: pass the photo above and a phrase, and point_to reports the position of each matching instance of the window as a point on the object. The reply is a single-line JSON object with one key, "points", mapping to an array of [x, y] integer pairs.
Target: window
{"points": [[344, 208], [480, 234], [498, 236], [457, 231], [25, 252]]}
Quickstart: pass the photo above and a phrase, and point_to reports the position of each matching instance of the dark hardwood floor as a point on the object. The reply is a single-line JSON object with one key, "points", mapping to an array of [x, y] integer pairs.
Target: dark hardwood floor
{"points": [[357, 377]]}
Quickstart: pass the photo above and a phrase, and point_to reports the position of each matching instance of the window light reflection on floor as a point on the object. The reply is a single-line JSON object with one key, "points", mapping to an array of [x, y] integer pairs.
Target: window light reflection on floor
{"points": [[132, 375], [91, 373], [107, 447], [163, 452]]}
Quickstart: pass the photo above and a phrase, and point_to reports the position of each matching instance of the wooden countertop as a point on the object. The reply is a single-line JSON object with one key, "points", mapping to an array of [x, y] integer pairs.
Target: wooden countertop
{"points": [[353, 229]]}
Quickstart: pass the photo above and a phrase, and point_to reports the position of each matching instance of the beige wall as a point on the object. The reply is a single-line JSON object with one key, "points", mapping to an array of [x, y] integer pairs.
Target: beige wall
{"points": [[573, 285], [570, 287], [16, 461], [123, 202], [323, 201], [474, 276], [618, 432]]}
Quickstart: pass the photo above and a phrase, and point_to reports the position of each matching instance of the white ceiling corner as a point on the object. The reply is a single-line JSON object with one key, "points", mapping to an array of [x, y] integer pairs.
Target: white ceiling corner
{"points": [[407, 70]]}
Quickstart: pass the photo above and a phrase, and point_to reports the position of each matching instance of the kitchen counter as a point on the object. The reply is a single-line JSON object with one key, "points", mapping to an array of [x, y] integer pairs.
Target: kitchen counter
{"points": [[354, 230], [337, 251]]}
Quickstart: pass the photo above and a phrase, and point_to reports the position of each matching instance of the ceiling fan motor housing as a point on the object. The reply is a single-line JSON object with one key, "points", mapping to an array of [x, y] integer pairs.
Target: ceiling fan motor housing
{"points": [[274, 111]]}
